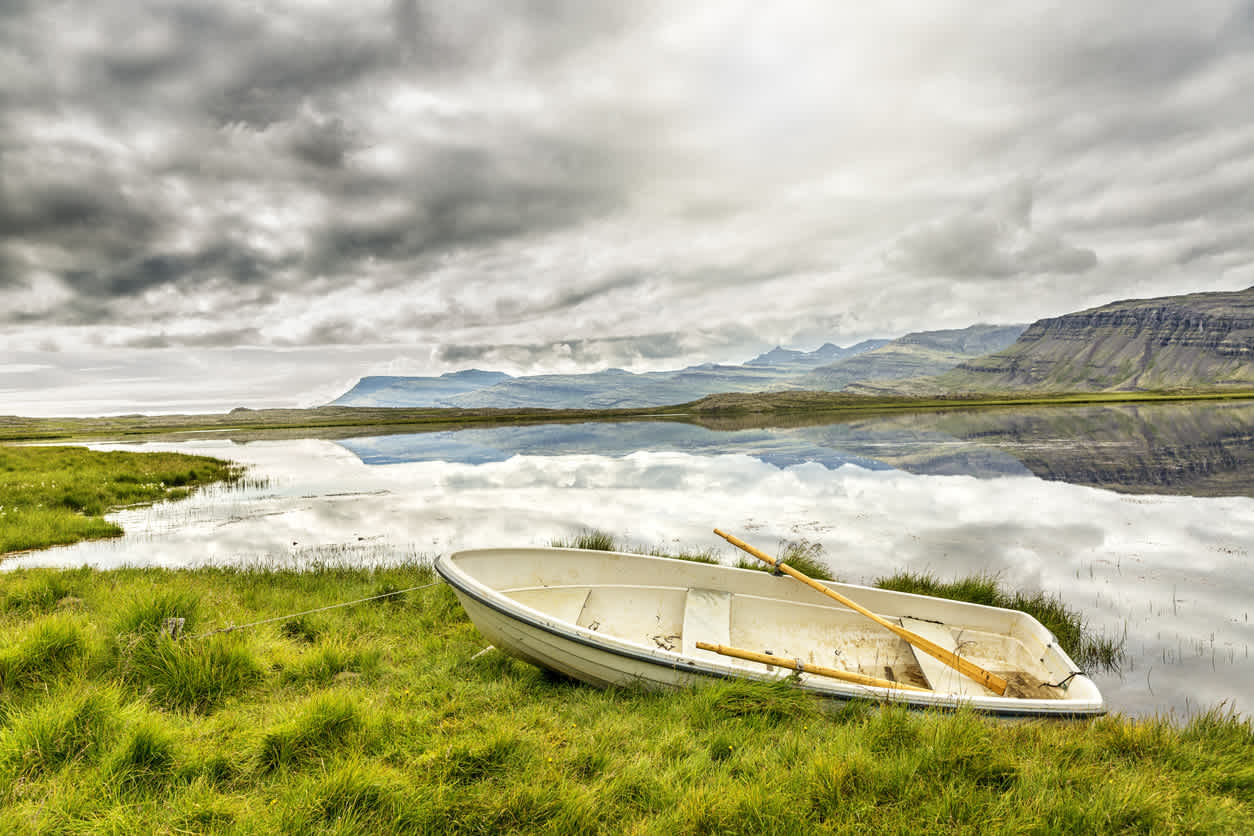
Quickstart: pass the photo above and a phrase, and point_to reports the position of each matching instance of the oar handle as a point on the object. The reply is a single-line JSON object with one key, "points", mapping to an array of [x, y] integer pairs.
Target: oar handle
{"points": [[806, 667], [989, 680]]}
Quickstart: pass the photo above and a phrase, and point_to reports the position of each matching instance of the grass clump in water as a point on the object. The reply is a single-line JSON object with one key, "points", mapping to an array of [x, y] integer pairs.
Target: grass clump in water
{"points": [[1088, 650], [591, 539], [803, 555]]}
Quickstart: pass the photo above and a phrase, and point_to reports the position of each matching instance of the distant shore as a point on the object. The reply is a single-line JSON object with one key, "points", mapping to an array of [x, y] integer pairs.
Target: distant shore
{"points": [[767, 405]]}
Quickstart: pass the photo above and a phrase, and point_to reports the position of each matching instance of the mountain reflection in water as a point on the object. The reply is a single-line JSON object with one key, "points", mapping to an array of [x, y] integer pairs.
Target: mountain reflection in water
{"points": [[1186, 449]]}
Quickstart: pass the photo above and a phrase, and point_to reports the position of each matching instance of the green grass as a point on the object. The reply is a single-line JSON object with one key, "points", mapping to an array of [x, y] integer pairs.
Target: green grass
{"points": [[59, 495], [424, 736]]}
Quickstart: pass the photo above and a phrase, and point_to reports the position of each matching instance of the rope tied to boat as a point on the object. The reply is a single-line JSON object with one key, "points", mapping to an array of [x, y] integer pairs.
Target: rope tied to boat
{"points": [[233, 627], [1066, 682]]}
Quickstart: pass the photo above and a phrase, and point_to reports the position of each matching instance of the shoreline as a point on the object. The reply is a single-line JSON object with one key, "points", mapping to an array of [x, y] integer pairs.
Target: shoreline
{"points": [[713, 408]]}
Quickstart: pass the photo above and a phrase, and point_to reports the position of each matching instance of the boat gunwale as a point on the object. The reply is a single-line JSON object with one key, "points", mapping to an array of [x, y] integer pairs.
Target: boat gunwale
{"points": [[498, 601]]}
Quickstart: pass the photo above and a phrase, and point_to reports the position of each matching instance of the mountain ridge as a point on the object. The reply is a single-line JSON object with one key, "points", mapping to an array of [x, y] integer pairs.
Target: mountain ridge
{"points": [[775, 370], [1197, 340]]}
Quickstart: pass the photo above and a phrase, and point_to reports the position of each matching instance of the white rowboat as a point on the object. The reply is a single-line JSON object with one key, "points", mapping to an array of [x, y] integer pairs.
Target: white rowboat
{"points": [[614, 619]]}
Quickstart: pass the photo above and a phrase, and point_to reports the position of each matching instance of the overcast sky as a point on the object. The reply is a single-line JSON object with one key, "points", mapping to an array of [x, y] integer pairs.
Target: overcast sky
{"points": [[209, 204]]}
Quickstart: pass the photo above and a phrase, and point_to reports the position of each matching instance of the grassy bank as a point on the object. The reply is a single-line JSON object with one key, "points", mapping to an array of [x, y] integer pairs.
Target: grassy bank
{"points": [[59, 495], [385, 717]]}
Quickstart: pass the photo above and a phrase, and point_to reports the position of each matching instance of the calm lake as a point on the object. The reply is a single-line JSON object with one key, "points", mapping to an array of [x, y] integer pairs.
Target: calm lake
{"points": [[1140, 517]]}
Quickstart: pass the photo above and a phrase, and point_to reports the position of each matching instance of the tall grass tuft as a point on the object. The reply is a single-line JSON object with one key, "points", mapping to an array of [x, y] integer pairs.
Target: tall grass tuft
{"points": [[303, 629], [320, 666], [38, 593], [708, 556], [144, 615], [48, 735], [188, 674], [803, 555], [196, 675], [468, 762], [45, 651], [327, 724], [1088, 650], [146, 759], [356, 798], [715, 704]]}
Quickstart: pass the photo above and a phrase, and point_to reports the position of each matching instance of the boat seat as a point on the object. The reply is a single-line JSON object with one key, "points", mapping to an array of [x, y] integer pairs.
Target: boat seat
{"points": [[707, 618], [942, 678]]}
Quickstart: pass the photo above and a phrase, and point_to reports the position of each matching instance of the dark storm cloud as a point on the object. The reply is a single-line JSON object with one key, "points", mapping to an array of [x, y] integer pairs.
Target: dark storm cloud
{"points": [[244, 112], [459, 194]]}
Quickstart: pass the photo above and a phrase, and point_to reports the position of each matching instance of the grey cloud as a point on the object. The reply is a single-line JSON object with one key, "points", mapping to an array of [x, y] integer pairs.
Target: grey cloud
{"points": [[995, 240], [522, 35], [223, 338], [673, 349], [461, 194]]}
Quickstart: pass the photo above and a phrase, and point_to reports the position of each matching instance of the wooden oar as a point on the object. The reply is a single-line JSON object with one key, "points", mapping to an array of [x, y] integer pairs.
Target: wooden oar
{"points": [[805, 667], [991, 681]]}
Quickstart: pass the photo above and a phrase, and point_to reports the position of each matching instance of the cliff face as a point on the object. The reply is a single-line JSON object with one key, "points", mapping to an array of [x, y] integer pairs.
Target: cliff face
{"points": [[1202, 339]]}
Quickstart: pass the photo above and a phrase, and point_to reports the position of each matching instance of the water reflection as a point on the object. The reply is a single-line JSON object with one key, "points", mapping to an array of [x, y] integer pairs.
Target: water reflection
{"points": [[1197, 449], [781, 448], [1173, 572]]}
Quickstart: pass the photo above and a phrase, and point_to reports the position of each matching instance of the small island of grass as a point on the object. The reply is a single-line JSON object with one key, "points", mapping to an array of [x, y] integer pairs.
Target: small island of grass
{"points": [[53, 496]]}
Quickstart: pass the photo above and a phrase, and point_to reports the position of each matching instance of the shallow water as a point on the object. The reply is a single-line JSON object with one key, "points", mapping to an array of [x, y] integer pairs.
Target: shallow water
{"points": [[1140, 518]]}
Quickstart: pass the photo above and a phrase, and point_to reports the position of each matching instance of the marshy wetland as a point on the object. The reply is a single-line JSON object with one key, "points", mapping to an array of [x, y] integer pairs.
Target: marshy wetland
{"points": [[1141, 518], [385, 715]]}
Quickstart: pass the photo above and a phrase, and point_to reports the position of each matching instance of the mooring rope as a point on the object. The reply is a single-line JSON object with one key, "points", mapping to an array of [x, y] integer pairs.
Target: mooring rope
{"points": [[232, 628]]}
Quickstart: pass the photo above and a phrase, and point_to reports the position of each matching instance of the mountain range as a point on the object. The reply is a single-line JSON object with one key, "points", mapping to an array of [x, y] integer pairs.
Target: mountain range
{"points": [[1201, 340]]}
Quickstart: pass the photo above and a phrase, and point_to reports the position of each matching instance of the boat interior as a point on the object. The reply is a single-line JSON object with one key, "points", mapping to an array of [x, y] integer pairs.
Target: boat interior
{"points": [[781, 617]]}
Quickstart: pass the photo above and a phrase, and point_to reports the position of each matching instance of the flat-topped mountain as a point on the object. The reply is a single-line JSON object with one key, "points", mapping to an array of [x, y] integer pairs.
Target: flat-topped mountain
{"points": [[1196, 340], [416, 391]]}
